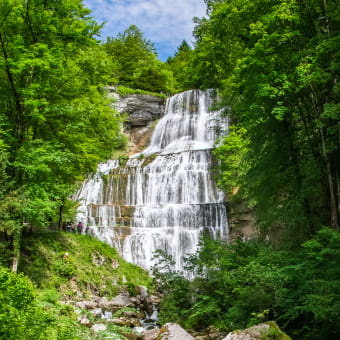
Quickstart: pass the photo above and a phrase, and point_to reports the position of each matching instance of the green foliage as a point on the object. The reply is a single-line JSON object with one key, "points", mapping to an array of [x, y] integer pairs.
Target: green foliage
{"points": [[113, 332], [273, 333], [18, 308], [232, 165], [136, 61], [153, 76], [176, 288], [56, 121], [24, 316], [241, 284], [277, 64], [66, 261], [27, 313], [125, 91], [61, 264], [127, 49], [180, 66]]}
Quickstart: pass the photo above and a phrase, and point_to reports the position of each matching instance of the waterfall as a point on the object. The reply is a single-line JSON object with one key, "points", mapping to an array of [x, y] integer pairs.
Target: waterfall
{"points": [[165, 197]]}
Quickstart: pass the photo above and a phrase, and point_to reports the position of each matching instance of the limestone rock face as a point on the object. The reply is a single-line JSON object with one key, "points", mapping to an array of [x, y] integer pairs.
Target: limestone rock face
{"points": [[141, 109], [259, 332], [172, 331], [241, 220]]}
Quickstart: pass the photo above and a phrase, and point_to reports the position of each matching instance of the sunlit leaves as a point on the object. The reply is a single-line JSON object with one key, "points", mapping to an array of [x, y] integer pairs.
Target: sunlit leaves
{"points": [[58, 118]]}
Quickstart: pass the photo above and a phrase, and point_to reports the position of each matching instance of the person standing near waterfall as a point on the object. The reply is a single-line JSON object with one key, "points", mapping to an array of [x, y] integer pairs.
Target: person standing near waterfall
{"points": [[80, 227]]}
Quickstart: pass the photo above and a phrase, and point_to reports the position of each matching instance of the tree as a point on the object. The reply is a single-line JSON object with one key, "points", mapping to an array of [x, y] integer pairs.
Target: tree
{"points": [[241, 284], [277, 64], [128, 49], [179, 64], [20, 316], [136, 63], [56, 119]]}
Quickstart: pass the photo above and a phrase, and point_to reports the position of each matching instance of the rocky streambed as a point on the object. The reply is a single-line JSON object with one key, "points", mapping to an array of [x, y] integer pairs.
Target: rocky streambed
{"points": [[131, 316], [134, 317]]}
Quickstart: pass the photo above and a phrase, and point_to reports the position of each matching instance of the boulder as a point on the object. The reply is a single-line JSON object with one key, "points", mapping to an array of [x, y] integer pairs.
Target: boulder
{"points": [[130, 314], [86, 304], [103, 303], [155, 299], [142, 291], [150, 334], [121, 301], [83, 320], [98, 259], [115, 264], [98, 327], [134, 301], [216, 336], [210, 333], [147, 305], [97, 312], [259, 332], [128, 322], [131, 336], [172, 331]]}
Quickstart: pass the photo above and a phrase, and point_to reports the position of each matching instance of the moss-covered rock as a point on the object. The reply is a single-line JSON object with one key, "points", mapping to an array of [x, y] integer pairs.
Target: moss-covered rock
{"points": [[263, 331]]}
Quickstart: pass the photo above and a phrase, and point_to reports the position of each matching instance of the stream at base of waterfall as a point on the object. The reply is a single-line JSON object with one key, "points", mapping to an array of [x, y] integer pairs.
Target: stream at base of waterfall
{"points": [[165, 197]]}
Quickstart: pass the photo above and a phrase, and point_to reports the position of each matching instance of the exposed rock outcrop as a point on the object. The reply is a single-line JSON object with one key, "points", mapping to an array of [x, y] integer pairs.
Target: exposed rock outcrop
{"points": [[241, 220], [267, 330], [141, 109], [173, 331]]}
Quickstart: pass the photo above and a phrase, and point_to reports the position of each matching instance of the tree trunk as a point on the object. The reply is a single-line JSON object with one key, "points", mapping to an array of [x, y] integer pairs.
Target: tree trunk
{"points": [[18, 115], [331, 184], [61, 211], [16, 240], [15, 264]]}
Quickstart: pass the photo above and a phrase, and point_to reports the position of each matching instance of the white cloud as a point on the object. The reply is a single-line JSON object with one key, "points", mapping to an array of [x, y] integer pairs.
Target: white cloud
{"points": [[164, 22]]}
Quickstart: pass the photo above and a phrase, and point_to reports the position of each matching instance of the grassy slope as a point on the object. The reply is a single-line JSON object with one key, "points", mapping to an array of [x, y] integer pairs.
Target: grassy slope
{"points": [[91, 267]]}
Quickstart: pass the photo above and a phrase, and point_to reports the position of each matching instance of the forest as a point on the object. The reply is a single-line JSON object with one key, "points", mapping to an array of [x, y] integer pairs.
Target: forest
{"points": [[276, 66]]}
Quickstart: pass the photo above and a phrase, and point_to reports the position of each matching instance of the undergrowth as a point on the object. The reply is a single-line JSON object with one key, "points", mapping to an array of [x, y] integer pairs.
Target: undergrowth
{"points": [[78, 264]]}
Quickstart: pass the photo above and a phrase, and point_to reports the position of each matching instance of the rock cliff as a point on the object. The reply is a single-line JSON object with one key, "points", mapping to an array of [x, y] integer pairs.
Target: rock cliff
{"points": [[142, 111]]}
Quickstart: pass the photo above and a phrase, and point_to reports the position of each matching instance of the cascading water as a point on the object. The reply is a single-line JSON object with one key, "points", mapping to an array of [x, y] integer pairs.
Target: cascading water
{"points": [[166, 197]]}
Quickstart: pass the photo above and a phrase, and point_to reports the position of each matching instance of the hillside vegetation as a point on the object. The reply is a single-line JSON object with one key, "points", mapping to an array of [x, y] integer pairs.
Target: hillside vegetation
{"points": [[61, 267], [78, 263]]}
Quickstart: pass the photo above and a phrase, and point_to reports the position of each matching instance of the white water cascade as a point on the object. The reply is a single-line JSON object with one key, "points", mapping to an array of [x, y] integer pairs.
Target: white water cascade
{"points": [[166, 197]]}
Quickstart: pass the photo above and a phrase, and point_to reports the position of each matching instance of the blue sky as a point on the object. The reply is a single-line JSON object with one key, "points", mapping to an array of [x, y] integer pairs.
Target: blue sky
{"points": [[165, 22]]}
